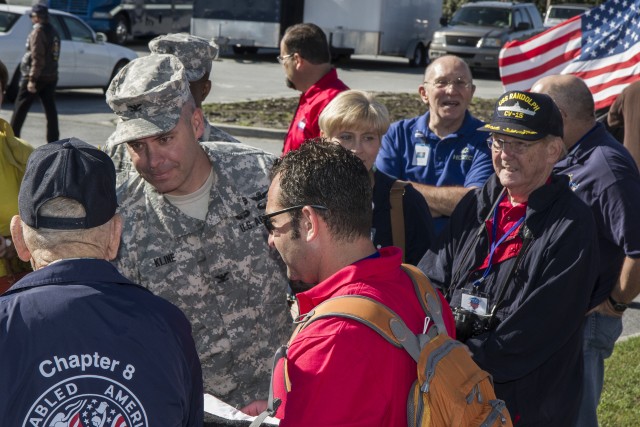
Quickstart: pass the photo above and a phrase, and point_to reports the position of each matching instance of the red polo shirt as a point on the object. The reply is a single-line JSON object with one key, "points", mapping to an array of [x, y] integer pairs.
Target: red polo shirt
{"points": [[312, 102], [508, 215], [342, 372]]}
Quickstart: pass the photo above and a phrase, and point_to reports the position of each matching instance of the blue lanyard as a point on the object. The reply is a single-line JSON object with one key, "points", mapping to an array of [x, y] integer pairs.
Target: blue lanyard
{"points": [[495, 244]]}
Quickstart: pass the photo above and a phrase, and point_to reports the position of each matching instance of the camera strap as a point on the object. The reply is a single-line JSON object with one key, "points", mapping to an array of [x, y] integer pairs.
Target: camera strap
{"points": [[527, 238]]}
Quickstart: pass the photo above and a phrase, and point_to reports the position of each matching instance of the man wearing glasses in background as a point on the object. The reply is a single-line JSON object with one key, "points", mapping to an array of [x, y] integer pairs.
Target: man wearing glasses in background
{"points": [[518, 263], [441, 152], [192, 231], [306, 60]]}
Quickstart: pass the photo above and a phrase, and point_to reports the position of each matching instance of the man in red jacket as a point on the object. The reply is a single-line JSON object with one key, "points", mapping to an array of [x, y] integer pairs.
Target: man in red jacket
{"points": [[319, 219], [306, 60]]}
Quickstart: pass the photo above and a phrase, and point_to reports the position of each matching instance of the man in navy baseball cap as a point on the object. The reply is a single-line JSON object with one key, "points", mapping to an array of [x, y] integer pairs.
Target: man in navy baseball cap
{"points": [[525, 115], [75, 323], [73, 169]]}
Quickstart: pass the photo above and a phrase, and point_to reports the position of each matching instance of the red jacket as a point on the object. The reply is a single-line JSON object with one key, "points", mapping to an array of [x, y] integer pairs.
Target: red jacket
{"points": [[342, 372], [312, 102]]}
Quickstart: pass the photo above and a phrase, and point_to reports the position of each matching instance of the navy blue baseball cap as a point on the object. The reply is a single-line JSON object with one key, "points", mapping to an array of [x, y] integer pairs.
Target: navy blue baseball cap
{"points": [[40, 10], [525, 115], [68, 168]]}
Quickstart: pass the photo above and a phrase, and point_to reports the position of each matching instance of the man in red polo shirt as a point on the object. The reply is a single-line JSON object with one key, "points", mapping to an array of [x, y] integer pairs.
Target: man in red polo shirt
{"points": [[341, 372], [305, 57]]}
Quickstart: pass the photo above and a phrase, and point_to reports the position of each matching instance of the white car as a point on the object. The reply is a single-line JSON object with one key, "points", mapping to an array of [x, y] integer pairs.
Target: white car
{"points": [[86, 59], [558, 13]]}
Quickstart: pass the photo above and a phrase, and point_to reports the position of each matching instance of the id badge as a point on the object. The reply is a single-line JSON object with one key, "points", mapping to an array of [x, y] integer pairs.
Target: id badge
{"points": [[421, 155], [476, 303]]}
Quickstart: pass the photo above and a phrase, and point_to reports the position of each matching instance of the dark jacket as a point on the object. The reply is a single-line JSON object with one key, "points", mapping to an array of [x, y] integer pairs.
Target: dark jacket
{"points": [[604, 175], [40, 61], [418, 224], [535, 352], [80, 343]]}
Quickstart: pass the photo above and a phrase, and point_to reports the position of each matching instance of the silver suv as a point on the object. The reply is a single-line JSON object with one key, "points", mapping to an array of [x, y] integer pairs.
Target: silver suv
{"points": [[478, 30]]}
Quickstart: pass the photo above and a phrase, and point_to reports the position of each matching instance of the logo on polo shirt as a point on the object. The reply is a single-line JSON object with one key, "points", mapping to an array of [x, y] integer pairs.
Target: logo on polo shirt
{"points": [[465, 155]]}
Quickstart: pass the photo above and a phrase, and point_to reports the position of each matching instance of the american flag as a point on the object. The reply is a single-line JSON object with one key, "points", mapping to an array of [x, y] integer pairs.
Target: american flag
{"points": [[601, 46]]}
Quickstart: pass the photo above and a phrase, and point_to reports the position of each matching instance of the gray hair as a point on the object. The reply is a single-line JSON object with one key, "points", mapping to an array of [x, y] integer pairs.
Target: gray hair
{"points": [[65, 243]]}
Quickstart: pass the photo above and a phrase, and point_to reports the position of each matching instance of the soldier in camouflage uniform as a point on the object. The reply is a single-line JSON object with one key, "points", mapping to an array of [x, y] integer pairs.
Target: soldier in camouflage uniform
{"points": [[196, 55], [192, 229]]}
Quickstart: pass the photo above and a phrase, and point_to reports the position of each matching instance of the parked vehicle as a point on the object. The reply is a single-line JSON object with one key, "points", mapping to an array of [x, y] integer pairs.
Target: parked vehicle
{"points": [[477, 31], [374, 27], [557, 13], [86, 59], [124, 19]]}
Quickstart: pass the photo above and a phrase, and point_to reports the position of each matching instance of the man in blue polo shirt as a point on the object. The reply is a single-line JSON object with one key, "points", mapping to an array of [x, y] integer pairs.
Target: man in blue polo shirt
{"points": [[604, 175], [441, 152], [81, 344]]}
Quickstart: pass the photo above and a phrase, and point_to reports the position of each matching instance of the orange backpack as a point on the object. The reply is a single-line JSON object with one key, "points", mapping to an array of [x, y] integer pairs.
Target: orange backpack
{"points": [[450, 389]]}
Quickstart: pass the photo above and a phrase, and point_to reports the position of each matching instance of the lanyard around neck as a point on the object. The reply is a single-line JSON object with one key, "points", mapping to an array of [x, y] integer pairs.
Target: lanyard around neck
{"points": [[494, 243]]}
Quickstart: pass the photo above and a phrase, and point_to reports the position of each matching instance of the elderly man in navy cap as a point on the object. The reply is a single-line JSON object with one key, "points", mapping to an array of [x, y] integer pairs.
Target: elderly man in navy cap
{"points": [[80, 343], [518, 262]]}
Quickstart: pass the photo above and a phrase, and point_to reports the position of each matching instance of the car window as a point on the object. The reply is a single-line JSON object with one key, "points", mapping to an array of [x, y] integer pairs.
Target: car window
{"points": [[564, 13], [79, 32], [518, 17], [7, 19], [482, 16], [55, 22]]}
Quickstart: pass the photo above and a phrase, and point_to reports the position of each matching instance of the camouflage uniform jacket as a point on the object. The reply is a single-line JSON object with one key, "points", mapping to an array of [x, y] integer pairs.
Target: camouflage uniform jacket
{"points": [[212, 133], [220, 271]]}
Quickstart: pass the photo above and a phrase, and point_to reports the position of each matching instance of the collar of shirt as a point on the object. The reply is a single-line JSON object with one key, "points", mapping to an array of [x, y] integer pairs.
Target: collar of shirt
{"points": [[508, 215], [468, 126], [390, 257], [328, 81]]}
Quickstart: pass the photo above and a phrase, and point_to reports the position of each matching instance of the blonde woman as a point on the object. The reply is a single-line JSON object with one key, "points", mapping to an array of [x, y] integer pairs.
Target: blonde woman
{"points": [[357, 121]]}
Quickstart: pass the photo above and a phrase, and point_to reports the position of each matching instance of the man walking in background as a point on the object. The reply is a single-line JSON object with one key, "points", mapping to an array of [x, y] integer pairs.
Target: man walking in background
{"points": [[39, 70]]}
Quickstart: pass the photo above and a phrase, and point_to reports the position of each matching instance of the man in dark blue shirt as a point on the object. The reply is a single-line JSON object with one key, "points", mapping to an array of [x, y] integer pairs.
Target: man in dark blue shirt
{"points": [[603, 174], [80, 344]]}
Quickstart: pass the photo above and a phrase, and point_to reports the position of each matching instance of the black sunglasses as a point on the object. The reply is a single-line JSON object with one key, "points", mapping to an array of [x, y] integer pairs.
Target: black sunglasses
{"points": [[266, 219]]}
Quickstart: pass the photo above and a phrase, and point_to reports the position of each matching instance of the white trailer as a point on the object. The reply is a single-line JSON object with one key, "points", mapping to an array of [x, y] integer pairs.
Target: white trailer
{"points": [[374, 27]]}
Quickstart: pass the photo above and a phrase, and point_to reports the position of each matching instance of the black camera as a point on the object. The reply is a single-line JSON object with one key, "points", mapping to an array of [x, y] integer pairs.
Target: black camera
{"points": [[470, 324]]}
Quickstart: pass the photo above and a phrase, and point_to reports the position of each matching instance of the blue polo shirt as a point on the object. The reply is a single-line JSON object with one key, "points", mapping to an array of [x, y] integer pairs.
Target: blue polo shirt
{"points": [[412, 152], [82, 345], [604, 175]]}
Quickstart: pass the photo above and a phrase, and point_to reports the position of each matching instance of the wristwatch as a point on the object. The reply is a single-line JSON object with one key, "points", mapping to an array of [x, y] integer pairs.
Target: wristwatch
{"points": [[618, 306]]}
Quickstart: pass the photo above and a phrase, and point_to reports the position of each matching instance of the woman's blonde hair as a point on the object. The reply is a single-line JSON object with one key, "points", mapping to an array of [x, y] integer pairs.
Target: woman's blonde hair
{"points": [[354, 110]]}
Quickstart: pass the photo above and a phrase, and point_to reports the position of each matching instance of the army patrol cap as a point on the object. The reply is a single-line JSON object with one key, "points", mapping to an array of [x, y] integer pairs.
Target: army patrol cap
{"points": [[525, 115], [195, 53], [147, 95], [68, 168]]}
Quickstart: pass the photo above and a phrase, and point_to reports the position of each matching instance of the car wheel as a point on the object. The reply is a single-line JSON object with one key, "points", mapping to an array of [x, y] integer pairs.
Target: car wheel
{"points": [[121, 32], [12, 89], [119, 66], [419, 58]]}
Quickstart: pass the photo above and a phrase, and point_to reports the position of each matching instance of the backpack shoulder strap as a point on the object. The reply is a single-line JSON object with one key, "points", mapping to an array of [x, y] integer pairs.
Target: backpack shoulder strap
{"points": [[427, 295], [371, 313], [396, 196]]}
